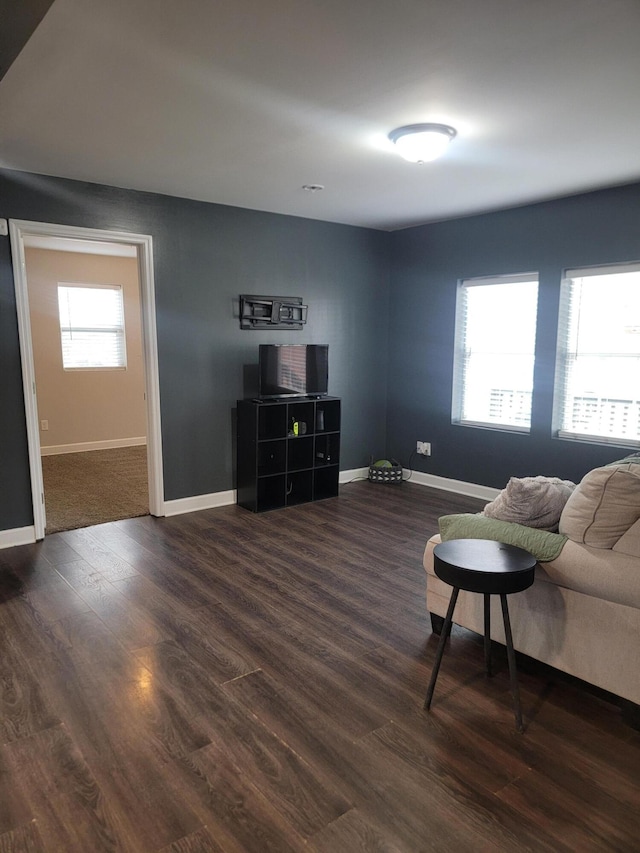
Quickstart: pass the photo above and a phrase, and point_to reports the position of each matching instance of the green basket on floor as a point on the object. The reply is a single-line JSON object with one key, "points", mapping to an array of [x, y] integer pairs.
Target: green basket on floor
{"points": [[385, 471]]}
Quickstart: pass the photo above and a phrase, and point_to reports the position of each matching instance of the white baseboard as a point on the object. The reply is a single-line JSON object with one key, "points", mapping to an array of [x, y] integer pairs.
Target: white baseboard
{"points": [[353, 474], [83, 446], [17, 536], [26, 535], [216, 499], [471, 490], [198, 502]]}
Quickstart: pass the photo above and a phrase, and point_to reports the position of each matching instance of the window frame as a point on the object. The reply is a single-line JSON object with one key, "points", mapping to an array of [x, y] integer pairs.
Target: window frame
{"points": [[460, 358], [118, 329], [562, 354]]}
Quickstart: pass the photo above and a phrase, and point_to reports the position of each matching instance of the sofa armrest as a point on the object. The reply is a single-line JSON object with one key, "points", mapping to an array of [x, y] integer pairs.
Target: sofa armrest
{"points": [[427, 560]]}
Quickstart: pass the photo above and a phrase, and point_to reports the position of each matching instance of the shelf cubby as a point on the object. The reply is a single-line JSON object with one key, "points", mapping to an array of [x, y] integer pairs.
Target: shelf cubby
{"points": [[300, 453], [271, 456], [299, 487]]}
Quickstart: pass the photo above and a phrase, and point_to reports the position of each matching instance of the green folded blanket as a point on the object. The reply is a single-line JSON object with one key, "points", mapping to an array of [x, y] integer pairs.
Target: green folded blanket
{"points": [[542, 545]]}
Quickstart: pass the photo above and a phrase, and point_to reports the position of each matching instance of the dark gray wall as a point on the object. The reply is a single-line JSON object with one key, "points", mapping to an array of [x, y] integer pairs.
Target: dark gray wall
{"points": [[205, 255], [427, 262], [382, 322]]}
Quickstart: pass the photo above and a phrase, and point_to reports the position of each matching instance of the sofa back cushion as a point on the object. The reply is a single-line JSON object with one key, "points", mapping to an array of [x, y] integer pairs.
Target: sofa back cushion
{"points": [[604, 505]]}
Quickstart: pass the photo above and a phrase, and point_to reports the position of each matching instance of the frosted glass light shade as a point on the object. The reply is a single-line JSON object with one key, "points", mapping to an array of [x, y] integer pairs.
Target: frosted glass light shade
{"points": [[420, 143]]}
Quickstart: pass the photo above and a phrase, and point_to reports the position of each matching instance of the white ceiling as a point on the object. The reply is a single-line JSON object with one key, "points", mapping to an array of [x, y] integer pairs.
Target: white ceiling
{"points": [[241, 102]]}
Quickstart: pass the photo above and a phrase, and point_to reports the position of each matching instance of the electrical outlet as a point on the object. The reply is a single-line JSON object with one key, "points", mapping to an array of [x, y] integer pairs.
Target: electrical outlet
{"points": [[44, 425], [423, 448]]}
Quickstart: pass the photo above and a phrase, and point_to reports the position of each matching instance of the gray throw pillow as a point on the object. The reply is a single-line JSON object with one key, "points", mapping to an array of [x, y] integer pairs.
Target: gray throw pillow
{"points": [[532, 501]]}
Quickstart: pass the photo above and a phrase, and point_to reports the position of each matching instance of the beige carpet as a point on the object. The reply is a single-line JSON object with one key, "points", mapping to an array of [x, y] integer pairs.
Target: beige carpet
{"points": [[81, 489]]}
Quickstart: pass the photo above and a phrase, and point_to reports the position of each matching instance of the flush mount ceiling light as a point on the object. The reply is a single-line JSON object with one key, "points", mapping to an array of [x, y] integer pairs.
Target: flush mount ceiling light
{"points": [[420, 143]]}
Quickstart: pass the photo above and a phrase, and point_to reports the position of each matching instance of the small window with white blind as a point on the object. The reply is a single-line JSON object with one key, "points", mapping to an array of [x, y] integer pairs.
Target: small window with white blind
{"points": [[597, 385], [494, 351], [92, 327]]}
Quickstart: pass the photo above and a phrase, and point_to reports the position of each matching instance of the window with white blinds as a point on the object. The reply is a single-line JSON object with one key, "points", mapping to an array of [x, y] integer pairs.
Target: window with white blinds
{"points": [[597, 385], [92, 326], [494, 351]]}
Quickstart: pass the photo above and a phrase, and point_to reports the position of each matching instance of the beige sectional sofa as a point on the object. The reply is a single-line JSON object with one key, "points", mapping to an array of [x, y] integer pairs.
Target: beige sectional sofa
{"points": [[582, 614]]}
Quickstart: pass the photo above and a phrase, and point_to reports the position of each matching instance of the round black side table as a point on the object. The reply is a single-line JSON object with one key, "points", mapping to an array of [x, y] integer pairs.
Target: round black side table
{"points": [[491, 568]]}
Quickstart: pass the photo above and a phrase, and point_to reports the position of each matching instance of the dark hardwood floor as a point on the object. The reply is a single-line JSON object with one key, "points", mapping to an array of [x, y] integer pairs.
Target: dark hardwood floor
{"points": [[229, 682]]}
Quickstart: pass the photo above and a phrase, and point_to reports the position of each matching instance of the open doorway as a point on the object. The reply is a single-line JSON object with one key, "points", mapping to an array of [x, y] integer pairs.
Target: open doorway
{"points": [[86, 333], [94, 434]]}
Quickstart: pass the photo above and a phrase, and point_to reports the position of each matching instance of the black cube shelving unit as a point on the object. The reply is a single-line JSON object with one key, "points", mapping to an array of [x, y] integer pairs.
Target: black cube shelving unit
{"points": [[288, 451]]}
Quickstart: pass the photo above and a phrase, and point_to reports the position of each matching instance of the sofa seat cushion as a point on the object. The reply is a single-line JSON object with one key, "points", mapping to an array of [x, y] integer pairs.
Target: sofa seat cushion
{"points": [[629, 542], [595, 571], [609, 575], [603, 506]]}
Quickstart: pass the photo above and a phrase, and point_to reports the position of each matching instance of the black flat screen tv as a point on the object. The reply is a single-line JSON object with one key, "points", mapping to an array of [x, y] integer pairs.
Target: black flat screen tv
{"points": [[293, 370]]}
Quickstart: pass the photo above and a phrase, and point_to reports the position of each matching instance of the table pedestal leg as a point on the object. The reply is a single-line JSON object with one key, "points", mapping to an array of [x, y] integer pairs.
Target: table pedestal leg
{"points": [[487, 634], [511, 656], [441, 644]]}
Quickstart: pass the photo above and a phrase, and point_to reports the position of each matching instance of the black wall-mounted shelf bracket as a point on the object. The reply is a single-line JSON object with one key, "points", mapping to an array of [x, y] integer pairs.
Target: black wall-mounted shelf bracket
{"points": [[272, 312]]}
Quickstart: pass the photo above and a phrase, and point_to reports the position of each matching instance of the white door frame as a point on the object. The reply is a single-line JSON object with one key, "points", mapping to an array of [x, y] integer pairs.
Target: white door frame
{"points": [[18, 229]]}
